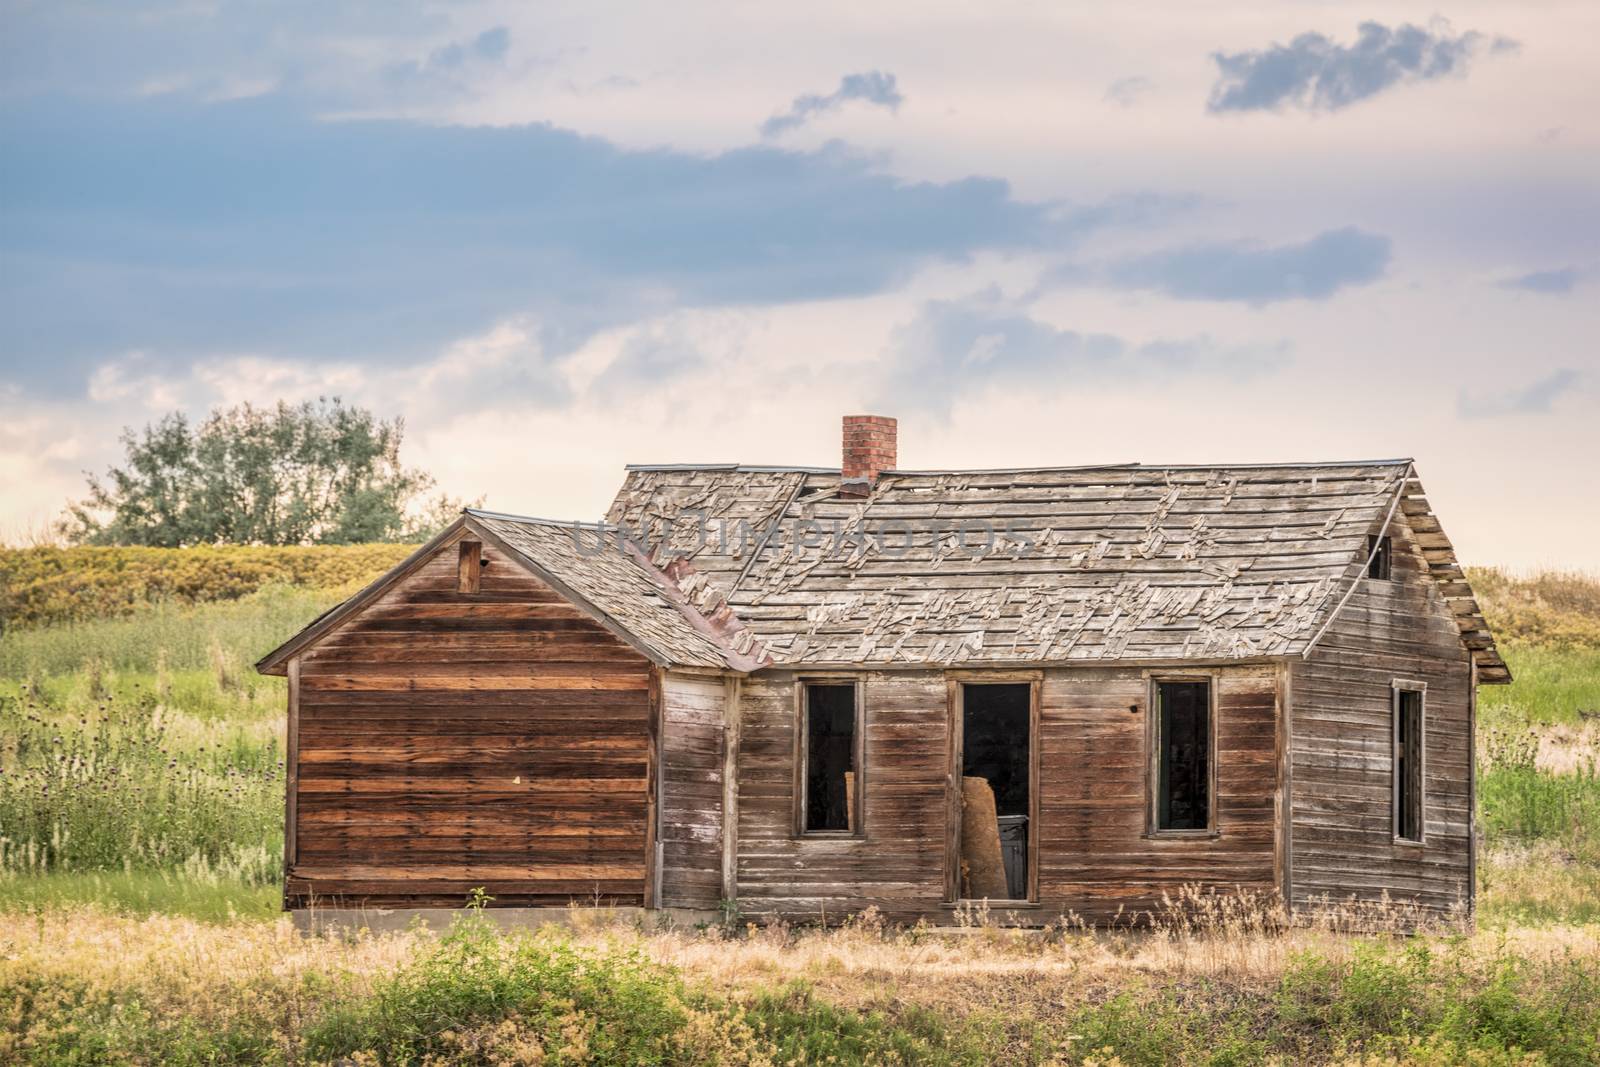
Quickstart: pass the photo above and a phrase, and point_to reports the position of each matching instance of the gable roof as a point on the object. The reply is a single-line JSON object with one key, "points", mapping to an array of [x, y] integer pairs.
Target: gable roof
{"points": [[1025, 566], [732, 567], [599, 574]]}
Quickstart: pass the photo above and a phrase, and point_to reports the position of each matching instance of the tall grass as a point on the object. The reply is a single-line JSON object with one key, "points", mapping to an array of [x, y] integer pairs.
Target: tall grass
{"points": [[131, 784], [81, 987], [166, 635]]}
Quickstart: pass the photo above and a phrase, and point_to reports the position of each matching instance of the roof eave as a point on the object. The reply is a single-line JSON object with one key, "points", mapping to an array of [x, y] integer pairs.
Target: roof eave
{"points": [[276, 662]]}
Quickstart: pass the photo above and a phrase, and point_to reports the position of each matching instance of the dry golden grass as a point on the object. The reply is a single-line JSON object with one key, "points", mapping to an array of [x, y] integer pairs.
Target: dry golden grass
{"points": [[267, 980]]}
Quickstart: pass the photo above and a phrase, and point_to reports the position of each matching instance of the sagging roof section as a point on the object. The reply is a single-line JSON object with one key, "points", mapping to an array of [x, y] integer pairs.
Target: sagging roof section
{"points": [[1028, 566]]}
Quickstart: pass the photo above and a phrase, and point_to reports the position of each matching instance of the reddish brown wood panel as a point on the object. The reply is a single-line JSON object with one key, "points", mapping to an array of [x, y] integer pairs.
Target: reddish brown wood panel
{"points": [[693, 710], [1342, 831], [450, 740], [1095, 858]]}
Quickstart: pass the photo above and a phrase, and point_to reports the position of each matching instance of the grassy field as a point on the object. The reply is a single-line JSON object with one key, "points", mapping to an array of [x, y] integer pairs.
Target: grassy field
{"points": [[141, 801]]}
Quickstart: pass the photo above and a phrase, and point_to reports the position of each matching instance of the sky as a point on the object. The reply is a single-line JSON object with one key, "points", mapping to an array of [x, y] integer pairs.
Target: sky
{"points": [[558, 238]]}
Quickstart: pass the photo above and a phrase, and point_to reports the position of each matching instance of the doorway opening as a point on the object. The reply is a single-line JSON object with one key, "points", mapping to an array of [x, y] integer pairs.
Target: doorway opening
{"points": [[995, 832]]}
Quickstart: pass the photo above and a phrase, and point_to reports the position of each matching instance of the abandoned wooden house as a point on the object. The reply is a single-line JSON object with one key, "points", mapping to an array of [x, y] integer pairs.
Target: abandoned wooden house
{"points": [[809, 691]]}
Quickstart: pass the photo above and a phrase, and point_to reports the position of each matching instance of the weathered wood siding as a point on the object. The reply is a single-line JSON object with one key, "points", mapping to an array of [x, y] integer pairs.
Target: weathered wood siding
{"points": [[693, 710], [1341, 838], [1095, 857], [451, 740], [898, 862]]}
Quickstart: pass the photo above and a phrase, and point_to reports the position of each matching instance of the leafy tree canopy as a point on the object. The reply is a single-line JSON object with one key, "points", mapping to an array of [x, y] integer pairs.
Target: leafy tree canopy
{"points": [[294, 474]]}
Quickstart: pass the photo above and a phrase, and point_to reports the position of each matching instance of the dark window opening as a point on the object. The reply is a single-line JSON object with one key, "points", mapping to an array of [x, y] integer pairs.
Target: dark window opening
{"points": [[830, 757], [1408, 764], [1183, 755], [469, 567], [995, 760], [1379, 556]]}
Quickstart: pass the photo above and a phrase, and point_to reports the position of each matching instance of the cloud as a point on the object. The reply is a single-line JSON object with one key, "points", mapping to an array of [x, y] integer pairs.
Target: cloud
{"points": [[257, 229], [1317, 74], [1125, 92], [1535, 399], [1311, 270], [872, 87], [650, 359], [966, 347], [1562, 280], [450, 67]]}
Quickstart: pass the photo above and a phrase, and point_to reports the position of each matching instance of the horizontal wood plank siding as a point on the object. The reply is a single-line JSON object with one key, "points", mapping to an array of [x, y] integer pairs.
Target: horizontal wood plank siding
{"points": [[1342, 839], [693, 711], [1095, 858], [898, 865], [452, 740]]}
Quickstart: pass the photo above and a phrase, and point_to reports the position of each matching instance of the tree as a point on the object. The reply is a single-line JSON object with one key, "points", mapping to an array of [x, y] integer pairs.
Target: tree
{"points": [[311, 473]]}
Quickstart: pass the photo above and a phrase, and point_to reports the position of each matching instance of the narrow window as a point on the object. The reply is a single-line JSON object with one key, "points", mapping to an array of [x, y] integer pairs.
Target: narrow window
{"points": [[1183, 755], [469, 567], [830, 758], [1378, 557], [1408, 764]]}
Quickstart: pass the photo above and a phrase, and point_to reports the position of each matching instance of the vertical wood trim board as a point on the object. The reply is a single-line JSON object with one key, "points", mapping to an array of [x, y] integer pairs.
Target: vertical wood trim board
{"points": [[291, 770], [730, 792]]}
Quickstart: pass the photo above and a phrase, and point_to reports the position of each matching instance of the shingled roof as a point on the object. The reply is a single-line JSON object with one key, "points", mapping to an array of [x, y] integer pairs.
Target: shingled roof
{"points": [[596, 571], [1018, 567], [734, 568], [603, 572]]}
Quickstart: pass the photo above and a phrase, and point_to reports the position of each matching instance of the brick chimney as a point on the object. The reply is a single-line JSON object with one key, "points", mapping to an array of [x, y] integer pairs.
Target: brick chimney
{"points": [[869, 448]]}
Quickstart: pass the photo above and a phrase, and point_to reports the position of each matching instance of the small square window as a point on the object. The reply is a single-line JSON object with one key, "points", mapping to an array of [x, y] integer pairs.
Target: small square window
{"points": [[1379, 554]]}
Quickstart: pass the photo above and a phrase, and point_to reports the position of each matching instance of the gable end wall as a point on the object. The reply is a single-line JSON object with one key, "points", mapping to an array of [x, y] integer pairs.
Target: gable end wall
{"points": [[446, 741], [1342, 842]]}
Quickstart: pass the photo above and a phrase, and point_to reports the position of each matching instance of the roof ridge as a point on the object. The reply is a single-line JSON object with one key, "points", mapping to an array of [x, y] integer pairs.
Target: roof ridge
{"points": [[534, 519], [744, 468]]}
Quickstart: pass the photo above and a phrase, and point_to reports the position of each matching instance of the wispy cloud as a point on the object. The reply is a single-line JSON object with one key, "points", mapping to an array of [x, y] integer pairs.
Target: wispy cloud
{"points": [[1537, 398], [1311, 270], [873, 87], [970, 346], [450, 67], [1318, 74], [1562, 280], [1125, 92]]}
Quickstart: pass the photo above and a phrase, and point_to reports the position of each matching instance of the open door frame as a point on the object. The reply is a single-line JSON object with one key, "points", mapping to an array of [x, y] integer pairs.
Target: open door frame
{"points": [[955, 684]]}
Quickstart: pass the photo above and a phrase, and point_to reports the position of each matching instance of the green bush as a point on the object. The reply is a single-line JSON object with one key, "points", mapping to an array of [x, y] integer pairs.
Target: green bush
{"points": [[39, 586], [537, 997], [1552, 609]]}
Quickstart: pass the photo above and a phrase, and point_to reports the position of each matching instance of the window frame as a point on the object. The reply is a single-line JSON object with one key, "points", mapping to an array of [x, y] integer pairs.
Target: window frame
{"points": [[1396, 703], [1380, 557], [802, 724], [1153, 827], [956, 683]]}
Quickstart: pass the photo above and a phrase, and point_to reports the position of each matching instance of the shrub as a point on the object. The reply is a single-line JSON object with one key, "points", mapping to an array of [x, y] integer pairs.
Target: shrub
{"points": [[39, 586], [1555, 609]]}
